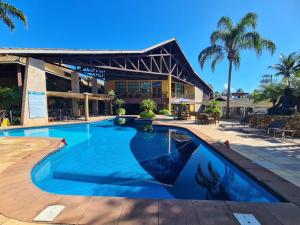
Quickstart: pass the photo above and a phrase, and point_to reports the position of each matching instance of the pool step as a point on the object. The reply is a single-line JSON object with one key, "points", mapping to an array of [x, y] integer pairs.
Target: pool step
{"points": [[104, 180]]}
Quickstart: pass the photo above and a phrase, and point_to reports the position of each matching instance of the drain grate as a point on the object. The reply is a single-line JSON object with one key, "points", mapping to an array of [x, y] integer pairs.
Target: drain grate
{"points": [[49, 213], [246, 219]]}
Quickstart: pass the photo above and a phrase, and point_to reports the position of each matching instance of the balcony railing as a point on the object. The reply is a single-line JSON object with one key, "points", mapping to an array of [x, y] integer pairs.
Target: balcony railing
{"points": [[154, 95], [183, 95], [141, 95]]}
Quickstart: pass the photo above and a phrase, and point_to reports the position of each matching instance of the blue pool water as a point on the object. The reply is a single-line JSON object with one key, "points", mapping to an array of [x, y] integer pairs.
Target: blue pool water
{"points": [[107, 159]]}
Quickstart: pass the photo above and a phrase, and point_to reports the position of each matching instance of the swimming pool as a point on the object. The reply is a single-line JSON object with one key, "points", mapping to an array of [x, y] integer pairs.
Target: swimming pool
{"points": [[110, 158]]}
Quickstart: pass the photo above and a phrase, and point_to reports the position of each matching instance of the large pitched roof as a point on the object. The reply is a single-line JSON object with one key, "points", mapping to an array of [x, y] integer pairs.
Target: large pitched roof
{"points": [[67, 56]]}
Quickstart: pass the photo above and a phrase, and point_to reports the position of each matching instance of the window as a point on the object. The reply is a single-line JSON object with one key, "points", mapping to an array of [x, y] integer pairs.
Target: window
{"points": [[133, 88], [177, 90], [156, 89], [120, 88], [145, 88]]}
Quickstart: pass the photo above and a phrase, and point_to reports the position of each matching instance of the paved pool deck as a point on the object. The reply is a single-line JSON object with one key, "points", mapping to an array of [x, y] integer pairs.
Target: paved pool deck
{"points": [[21, 200]]}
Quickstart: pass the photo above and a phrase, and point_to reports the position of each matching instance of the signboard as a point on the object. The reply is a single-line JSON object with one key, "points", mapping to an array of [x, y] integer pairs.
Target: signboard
{"points": [[37, 104]]}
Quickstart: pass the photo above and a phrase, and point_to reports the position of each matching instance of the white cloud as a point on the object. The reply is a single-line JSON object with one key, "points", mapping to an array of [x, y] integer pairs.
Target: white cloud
{"points": [[231, 88]]}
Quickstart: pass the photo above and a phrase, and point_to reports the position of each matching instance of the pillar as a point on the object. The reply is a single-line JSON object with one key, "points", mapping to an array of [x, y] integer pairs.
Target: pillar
{"points": [[75, 89], [19, 78], [34, 100], [95, 91], [86, 106], [169, 92]]}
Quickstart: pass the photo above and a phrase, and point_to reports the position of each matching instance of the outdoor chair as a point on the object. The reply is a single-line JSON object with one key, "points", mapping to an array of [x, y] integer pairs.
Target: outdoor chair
{"points": [[244, 122], [203, 118], [275, 127], [185, 115]]}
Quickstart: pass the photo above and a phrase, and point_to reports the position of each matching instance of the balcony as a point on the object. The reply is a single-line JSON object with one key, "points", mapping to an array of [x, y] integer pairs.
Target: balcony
{"points": [[141, 95], [183, 95]]}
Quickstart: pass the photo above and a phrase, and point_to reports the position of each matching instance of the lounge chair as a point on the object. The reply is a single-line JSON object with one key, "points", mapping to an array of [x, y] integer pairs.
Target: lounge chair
{"points": [[244, 122], [277, 126]]}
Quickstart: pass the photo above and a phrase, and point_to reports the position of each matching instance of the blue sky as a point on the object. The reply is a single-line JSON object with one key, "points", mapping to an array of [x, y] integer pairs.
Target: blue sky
{"points": [[137, 24]]}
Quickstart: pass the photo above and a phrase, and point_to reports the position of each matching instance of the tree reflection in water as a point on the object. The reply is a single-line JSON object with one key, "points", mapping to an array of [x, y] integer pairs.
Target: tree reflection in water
{"points": [[212, 182], [226, 188]]}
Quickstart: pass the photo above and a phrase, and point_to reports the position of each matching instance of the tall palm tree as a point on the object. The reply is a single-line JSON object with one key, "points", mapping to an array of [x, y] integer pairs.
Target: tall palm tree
{"points": [[8, 12], [289, 65], [229, 39]]}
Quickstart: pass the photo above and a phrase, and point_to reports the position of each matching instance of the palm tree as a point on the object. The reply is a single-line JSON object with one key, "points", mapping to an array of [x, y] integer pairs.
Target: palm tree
{"points": [[8, 12], [229, 39], [271, 92], [288, 66]]}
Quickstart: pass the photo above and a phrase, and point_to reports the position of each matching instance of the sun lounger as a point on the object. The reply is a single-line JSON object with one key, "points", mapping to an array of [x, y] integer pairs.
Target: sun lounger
{"points": [[277, 126], [244, 122]]}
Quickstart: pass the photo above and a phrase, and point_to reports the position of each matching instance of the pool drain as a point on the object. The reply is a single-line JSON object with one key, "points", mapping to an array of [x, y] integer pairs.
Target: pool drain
{"points": [[49, 213]]}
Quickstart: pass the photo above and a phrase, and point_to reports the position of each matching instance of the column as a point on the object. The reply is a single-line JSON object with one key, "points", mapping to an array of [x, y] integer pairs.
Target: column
{"points": [[95, 91], [34, 101], [169, 92], [19, 78], [75, 89], [86, 106]]}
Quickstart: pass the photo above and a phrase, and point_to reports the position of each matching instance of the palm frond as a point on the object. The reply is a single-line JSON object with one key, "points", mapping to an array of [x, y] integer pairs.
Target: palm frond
{"points": [[249, 20], [8, 11], [7, 21], [218, 58], [268, 45], [209, 52], [237, 60], [217, 36], [250, 40], [253, 40], [225, 23]]}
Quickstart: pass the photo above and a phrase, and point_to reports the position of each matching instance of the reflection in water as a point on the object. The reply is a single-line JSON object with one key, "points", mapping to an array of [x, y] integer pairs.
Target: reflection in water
{"points": [[212, 182], [164, 154]]}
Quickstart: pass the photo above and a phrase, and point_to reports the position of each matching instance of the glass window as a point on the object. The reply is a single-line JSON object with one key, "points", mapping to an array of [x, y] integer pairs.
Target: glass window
{"points": [[179, 90], [120, 88], [146, 87], [133, 87], [156, 89]]}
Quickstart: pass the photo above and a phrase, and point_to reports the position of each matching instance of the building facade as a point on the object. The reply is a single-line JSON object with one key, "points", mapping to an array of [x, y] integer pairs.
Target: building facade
{"points": [[160, 72]]}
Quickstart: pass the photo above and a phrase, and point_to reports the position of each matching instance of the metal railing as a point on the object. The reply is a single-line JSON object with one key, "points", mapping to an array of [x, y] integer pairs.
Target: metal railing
{"points": [[141, 95], [61, 114], [183, 95]]}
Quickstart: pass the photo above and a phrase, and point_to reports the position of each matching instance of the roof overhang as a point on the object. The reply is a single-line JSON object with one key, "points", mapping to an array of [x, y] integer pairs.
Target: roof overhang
{"points": [[162, 59]]}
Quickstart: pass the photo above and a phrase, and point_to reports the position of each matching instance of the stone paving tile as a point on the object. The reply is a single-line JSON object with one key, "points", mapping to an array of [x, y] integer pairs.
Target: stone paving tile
{"points": [[286, 213], [177, 212], [103, 211], [139, 212], [72, 213], [214, 213]]}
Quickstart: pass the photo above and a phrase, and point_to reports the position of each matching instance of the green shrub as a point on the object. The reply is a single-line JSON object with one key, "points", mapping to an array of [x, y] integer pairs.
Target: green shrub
{"points": [[214, 107], [121, 111], [111, 93], [10, 98], [148, 105], [147, 115], [164, 112]]}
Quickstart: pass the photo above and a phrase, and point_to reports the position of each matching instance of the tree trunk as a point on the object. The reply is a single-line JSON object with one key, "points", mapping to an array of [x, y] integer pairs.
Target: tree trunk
{"points": [[228, 89]]}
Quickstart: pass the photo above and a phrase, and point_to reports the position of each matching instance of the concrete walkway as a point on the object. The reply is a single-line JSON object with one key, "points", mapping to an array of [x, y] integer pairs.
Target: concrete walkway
{"points": [[280, 156]]}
